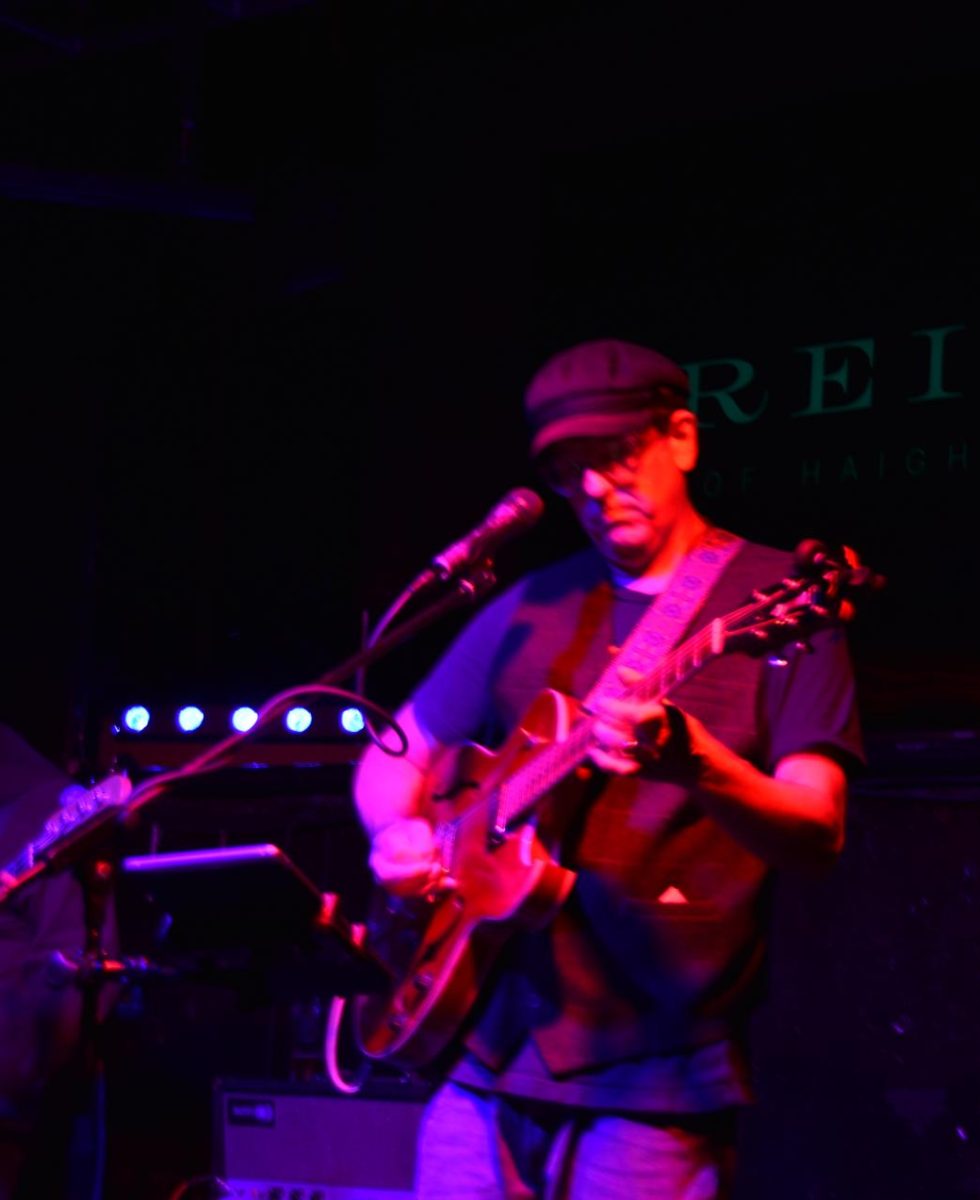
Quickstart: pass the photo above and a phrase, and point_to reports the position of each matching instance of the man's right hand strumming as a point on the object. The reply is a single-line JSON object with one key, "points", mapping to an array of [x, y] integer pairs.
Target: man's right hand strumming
{"points": [[405, 858]]}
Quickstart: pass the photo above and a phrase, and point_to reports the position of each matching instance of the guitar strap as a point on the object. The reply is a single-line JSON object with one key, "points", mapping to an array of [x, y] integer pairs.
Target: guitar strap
{"points": [[664, 621]]}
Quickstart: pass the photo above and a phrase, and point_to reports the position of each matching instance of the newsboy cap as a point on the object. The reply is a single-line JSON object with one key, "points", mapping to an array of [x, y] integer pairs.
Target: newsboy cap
{"points": [[602, 388]]}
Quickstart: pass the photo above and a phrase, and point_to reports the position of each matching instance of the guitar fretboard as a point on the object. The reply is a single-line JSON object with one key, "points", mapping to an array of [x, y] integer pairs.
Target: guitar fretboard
{"points": [[530, 783]]}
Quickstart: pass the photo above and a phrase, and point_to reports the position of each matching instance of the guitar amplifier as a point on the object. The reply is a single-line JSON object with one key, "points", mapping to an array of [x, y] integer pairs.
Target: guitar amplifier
{"points": [[286, 1141]]}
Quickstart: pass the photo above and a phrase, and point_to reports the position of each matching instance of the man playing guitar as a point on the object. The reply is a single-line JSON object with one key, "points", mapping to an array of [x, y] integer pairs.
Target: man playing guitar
{"points": [[603, 1053]]}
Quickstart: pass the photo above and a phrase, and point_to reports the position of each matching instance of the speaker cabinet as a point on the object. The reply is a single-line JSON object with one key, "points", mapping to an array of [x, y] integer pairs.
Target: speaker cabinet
{"points": [[867, 1050], [279, 1141]]}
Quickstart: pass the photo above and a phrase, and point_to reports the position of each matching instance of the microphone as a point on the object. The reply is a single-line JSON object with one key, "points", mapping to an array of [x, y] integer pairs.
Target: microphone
{"points": [[518, 510]]}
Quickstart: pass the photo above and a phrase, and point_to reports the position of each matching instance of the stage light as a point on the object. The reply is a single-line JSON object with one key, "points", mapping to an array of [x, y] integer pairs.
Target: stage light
{"points": [[136, 718], [161, 734], [243, 718], [298, 720], [190, 718], [352, 720]]}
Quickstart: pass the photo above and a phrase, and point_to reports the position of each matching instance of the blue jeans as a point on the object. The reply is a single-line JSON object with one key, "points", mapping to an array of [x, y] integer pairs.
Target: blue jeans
{"points": [[482, 1147]]}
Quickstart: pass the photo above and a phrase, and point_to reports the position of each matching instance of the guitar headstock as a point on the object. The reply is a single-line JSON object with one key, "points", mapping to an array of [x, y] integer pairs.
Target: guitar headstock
{"points": [[823, 592], [840, 569], [80, 820]]}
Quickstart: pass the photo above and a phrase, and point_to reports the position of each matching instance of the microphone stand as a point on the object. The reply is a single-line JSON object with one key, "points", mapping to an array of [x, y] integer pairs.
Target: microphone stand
{"points": [[469, 588], [90, 971], [87, 1136]]}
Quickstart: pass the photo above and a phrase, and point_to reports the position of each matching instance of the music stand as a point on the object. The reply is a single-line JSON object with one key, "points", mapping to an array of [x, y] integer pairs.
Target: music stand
{"points": [[252, 905]]}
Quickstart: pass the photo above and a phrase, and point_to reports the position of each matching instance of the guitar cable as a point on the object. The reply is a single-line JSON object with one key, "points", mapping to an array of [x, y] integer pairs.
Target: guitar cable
{"points": [[331, 1057]]}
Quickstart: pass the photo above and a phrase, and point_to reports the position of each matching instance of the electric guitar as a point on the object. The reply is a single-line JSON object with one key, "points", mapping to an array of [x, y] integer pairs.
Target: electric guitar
{"points": [[66, 832], [438, 949]]}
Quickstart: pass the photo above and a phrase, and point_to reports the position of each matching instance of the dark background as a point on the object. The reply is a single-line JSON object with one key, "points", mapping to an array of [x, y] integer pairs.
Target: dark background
{"points": [[274, 277]]}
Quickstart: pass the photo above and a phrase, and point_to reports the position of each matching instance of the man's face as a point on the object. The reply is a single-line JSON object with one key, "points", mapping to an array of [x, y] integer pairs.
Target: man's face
{"points": [[630, 494]]}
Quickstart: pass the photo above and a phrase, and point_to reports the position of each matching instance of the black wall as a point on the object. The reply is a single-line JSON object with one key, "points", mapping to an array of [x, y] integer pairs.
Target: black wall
{"points": [[271, 290], [265, 336]]}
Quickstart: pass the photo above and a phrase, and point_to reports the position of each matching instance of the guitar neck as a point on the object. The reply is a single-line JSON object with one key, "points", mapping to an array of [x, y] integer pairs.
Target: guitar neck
{"points": [[524, 790], [65, 829]]}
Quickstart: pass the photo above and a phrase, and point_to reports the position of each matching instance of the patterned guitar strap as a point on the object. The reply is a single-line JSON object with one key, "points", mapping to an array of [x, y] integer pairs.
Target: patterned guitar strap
{"points": [[655, 634], [663, 623]]}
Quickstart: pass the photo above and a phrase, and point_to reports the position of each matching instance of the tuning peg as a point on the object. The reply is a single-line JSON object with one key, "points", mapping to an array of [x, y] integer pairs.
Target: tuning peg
{"points": [[814, 559], [864, 578], [811, 555]]}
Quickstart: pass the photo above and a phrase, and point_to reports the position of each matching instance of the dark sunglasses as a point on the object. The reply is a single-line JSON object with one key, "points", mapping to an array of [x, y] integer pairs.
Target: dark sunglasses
{"points": [[615, 458]]}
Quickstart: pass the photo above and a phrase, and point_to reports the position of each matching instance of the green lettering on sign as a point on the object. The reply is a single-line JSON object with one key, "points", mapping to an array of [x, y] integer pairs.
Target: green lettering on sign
{"points": [[822, 376], [735, 375], [937, 349]]}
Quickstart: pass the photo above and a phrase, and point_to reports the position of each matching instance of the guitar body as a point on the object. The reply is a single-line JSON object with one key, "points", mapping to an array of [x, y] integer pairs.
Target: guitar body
{"points": [[440, 949]]}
